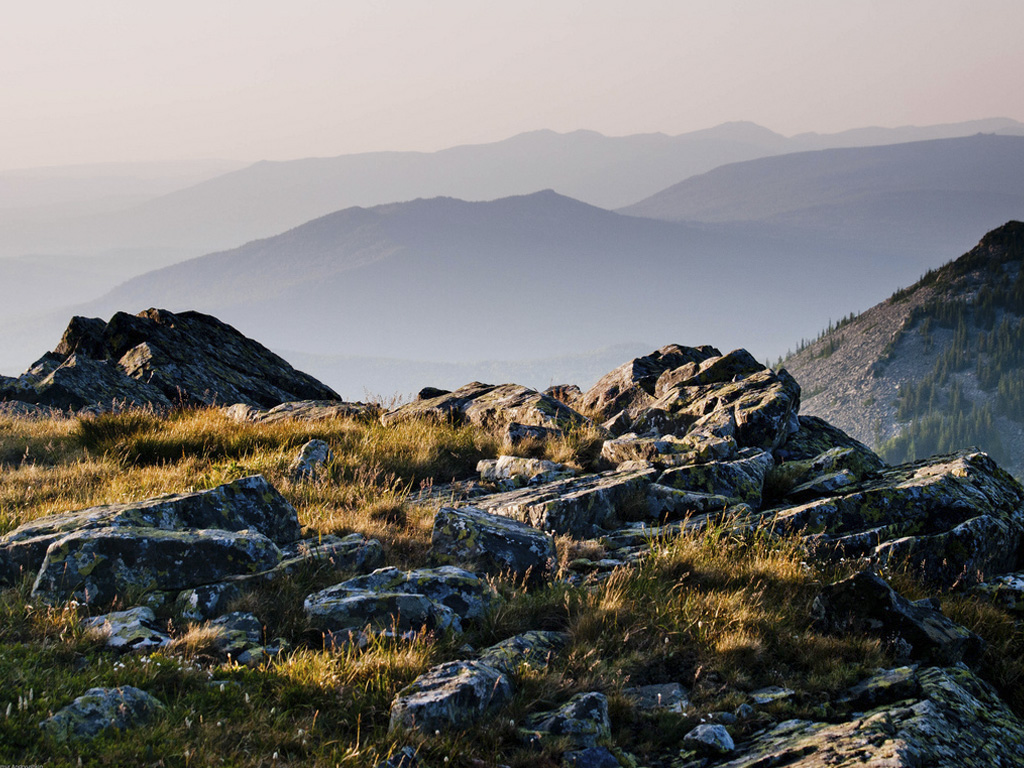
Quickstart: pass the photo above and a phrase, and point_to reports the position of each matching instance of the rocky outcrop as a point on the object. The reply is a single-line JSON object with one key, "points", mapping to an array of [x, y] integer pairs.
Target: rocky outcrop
{"points": [[933, 716], [954, 519], [490, 406], [631, 386], [159, 358], [132, 630], [99, 710]]}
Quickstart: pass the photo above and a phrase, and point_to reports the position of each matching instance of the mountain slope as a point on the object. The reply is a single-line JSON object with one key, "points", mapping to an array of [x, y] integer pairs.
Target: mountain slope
{"points": [[938, 366], [911, 195]]}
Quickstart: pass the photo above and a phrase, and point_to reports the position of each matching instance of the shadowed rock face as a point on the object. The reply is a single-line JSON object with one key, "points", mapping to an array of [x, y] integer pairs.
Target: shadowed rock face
{"points": [[160, 358]]}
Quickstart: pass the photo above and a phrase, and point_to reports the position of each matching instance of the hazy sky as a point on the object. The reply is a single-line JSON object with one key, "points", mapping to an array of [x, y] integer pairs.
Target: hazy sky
{"points": [[114, 80]]}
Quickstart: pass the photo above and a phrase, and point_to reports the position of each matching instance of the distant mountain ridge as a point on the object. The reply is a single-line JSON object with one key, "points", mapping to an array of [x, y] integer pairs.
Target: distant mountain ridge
{"points": [[936, 367], [943, 189]]}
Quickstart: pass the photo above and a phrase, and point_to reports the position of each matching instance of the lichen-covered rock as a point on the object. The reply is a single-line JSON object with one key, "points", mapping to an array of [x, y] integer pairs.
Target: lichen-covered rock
{"points": [[719, 369], [353, 552], [490, 406], [390, 599], [300, 410], [866, 604], [311, 460], [160, 358], [515, 434], [580, 506], [131, 630], [207, 601], [663, 451], [96, 565], [569, 394], [492, 544], [667, 503], [533, 649], [709, 739], [100, 709], [801, 480], [249, 503], [816, 436], [451, 695], [583, 721], [741, 481], [516, 471], [239, 637], [344, 611], [758, 410], [949, 718], [459, 693], [631, 386], [591, 757], [949, 518], [464, 593]]}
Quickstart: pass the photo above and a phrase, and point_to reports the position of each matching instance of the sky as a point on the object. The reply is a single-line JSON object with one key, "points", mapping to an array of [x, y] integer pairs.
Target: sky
{"points": [[245, 80]]}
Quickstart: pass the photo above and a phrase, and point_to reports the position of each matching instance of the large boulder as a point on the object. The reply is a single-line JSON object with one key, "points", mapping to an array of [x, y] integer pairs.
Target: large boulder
{"points": [[158, 358], [490, 406], [250, 503], [459, 693], [452, 695], [390, 599], [492, 543], [96, 565], [99, 710], [864, 604]]}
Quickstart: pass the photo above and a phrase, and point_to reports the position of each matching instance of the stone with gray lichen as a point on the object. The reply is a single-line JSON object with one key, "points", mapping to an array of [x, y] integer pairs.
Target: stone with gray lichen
{"points": [[131, 630], [101, 709], [582, 721], [492, 543], [312, 460], [580, 506]]}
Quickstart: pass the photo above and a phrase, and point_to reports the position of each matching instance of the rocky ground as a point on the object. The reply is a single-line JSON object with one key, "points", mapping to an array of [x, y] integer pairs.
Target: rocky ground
{"points": [[674, 568]]}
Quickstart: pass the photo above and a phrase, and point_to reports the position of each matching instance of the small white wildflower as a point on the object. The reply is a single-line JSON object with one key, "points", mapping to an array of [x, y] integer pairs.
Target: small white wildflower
{"points": [[246, 698], [220, 723], [8, 709], [222, 687]]}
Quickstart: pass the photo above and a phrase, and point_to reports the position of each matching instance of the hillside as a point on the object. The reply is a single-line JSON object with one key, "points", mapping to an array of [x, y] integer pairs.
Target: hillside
{"points": [[938, 366], [913, 195]]}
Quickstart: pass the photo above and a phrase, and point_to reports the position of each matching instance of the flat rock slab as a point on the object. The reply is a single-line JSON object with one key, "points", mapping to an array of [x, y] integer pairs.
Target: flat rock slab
{"points": [[101, 709], [492, 543], [250, 503], [741, 481], [581, 506], [97, 565]]}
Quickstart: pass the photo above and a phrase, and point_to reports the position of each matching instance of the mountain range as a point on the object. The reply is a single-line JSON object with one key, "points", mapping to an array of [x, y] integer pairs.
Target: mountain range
{"points": [[748, 253]]}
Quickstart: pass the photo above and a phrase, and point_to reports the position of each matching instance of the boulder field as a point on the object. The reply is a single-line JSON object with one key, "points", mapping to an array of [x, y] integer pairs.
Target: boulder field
{"points": [[691, 437]]}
